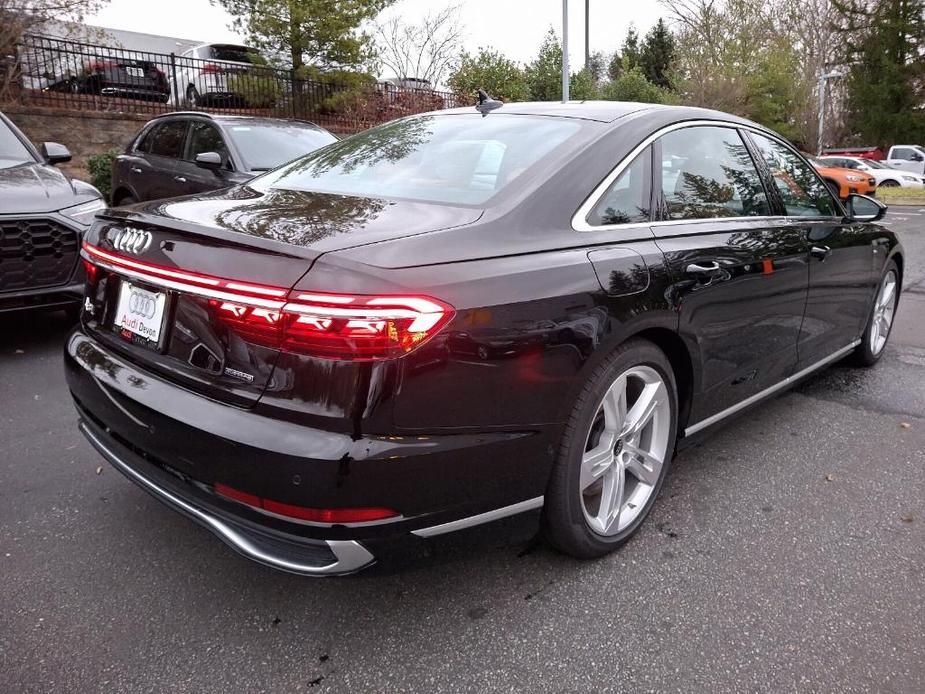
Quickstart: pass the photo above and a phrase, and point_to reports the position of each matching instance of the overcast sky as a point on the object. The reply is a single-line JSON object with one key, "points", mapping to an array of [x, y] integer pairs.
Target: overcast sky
{"points": [[514, 26]]}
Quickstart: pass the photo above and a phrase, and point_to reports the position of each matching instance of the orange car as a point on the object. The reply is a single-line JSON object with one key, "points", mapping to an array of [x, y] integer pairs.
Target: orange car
{"points": [[843, 182]]}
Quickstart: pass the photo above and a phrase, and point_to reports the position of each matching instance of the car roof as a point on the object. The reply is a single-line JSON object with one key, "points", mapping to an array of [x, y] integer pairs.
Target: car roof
{"points": [[603, 111], [230, 118]]}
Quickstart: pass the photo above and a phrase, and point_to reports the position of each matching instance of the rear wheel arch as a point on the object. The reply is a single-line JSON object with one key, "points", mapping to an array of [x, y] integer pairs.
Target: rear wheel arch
{"points": [[673, 347], [121, 193]]}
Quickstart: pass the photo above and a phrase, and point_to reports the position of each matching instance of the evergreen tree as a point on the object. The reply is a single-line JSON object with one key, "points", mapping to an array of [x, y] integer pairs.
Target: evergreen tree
{"points": [[657, 55], [615, 66], [630, 51], [885, 86], [501, 77], [544, 74]]}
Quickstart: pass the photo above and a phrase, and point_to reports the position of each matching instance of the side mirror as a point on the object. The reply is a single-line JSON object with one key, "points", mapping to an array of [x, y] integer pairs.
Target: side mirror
{"points": [[54, 153], [862, 208], [915, 157], [209, 160]]}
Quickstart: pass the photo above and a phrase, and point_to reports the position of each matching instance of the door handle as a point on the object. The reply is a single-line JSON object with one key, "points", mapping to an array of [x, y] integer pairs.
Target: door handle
{"points": [[181, 179], [821, 252], [135, 169], [705, 269]]}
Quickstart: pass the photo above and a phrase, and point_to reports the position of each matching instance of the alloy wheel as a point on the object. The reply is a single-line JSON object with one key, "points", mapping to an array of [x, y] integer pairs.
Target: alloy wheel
{"points": [[884, 308], [625, 451]]}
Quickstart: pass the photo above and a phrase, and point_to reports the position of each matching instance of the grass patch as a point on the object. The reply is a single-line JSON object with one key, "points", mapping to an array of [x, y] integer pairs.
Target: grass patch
{"points": [[901, 196]]}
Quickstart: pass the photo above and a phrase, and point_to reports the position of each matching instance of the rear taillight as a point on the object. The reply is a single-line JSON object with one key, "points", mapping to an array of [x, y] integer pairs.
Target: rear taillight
{"points": [[316, 515], [212, 69], [353, 327]]}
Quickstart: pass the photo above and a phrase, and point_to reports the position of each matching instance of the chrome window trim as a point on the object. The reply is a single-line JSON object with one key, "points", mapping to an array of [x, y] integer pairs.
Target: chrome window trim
{"points": [[579, 219], [709, 421]]}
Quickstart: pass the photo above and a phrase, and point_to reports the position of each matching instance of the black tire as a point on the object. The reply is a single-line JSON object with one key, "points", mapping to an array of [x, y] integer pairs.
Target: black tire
{"points": [[864, 354], [889, 184], [564, 523]]}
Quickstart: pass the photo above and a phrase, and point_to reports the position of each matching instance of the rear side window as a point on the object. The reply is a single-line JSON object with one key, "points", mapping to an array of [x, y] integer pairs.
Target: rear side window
{"points": [[205, 138], [707, 172], [166, 139], [627, 199], [803, 192]]}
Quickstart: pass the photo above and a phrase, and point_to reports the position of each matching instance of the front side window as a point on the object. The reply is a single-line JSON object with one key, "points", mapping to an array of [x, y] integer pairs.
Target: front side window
{"points": [[449, 159], [803, 192], [166, 139], [707, 172], [627, 199], [205, 138]]}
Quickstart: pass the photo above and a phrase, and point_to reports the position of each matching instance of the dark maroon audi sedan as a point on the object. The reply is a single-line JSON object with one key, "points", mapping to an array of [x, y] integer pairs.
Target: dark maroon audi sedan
{"points": [[464, 315]]}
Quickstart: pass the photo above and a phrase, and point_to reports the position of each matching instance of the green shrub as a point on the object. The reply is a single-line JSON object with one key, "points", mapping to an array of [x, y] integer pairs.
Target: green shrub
{"points": [[100, 168], [258, 90]]}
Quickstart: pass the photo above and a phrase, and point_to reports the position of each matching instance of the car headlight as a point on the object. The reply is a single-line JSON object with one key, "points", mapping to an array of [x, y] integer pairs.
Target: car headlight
{"points": [[852, 177], [85, 212], [914, 179]]}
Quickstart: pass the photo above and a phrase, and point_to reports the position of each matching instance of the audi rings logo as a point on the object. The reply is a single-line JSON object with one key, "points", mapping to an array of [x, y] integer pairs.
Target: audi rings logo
{"points": [[131, 240], [142, 305]]}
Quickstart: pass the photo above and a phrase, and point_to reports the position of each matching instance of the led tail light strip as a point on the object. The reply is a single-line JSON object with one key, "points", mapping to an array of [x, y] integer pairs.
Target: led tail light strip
{"points": [[329, 326], [314, 515]]}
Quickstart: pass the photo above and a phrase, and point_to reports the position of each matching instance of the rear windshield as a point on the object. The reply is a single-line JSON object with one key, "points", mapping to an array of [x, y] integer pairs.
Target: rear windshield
{"points": [[264, 146], [238, 54], [448, 159], [12, 150]]}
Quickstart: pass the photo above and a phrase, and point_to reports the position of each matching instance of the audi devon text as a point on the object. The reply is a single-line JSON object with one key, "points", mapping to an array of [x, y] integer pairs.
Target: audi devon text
{"points": [[460, 316]]}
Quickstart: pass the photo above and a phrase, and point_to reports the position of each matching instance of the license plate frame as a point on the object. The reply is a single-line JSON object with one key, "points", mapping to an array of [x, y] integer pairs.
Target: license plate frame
{"points": [[141, 315]]}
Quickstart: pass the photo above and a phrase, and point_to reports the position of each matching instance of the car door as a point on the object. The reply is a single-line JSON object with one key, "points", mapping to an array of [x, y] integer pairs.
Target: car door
{"points": [[738, 267], [202, 137], [842, 255], [907, 159], [154, 175]]}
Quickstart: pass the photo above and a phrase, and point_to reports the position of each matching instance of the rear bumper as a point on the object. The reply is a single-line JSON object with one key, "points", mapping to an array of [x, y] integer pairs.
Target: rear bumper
{"points": [[319, 558], [177, 445]]}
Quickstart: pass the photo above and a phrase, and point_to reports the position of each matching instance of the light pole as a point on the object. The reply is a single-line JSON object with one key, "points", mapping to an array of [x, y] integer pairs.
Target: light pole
{"points": [[564, 51], [823, 78]]}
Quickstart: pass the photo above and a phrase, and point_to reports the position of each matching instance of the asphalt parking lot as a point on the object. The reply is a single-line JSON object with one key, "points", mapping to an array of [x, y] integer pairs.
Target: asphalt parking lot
{"points": [[786, 553]]}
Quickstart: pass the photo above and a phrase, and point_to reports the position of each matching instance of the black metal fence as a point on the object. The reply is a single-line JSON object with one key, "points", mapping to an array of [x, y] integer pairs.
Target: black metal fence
{"points": [[75, 75]]}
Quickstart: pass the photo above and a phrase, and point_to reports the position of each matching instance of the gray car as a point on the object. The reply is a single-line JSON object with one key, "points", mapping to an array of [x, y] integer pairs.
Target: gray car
{"points": [[43, 215], [185, 153]]}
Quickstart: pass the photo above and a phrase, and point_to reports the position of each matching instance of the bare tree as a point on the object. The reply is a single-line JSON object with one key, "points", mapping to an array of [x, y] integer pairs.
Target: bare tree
{"points": [[426, 50]]}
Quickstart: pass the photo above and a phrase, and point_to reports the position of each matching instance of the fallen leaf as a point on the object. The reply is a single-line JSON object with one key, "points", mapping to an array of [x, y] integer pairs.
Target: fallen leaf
{"points": [[907, 518], [830, 477], [19, 351], [905, 425], [99, 470]]}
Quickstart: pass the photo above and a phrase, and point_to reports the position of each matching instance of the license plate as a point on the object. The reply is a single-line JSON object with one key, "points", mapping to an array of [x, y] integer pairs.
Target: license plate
{"points": [[135, 71], [140, 313]]}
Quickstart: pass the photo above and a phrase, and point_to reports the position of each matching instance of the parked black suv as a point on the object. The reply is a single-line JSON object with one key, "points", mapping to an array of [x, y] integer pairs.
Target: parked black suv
{"points": [[190, 152], [43, 214]]}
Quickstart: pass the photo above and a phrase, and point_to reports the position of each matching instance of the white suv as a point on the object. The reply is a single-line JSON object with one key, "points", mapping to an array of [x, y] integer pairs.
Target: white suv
{"points": [[204, 73]]}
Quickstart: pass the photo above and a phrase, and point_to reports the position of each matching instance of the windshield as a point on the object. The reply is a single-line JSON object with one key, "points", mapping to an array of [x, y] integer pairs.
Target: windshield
{"points": [[12, 151], [449, 159], [264, 146], [875, 164]]}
